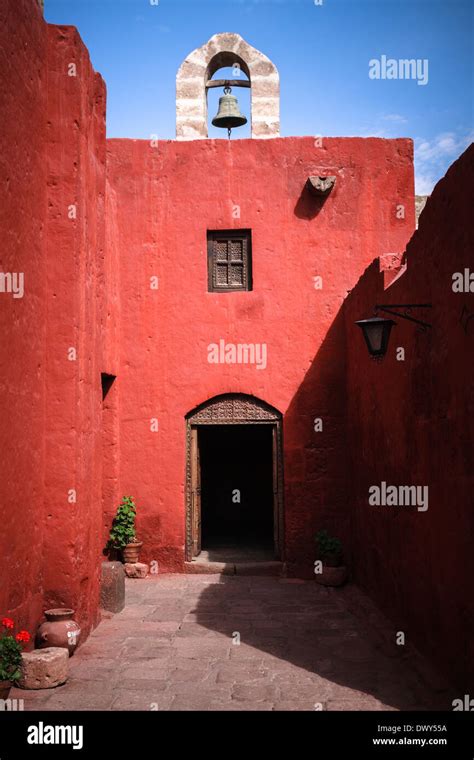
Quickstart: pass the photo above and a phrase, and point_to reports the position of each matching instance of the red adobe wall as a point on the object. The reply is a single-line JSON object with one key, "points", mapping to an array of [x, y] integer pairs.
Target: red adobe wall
{"points": [[52, 155], [412, 423], [164, 199], [23, 205], [409, 422], [75, 320]]}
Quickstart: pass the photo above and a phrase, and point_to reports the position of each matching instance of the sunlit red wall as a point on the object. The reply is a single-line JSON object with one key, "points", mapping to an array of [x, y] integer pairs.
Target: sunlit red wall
{"points": [[23, 204], [75, 283], [165, 198], [52, 159], [67, 458]]}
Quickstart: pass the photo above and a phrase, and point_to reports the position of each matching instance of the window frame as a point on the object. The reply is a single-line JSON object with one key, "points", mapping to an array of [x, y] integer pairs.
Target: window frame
{"points": [[229, 235]]}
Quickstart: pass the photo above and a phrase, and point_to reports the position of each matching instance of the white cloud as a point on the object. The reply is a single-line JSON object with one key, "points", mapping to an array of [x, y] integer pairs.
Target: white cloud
{"points": [[395, 117], [433, 157], [424, 183], [387, 125], [384, 133]]}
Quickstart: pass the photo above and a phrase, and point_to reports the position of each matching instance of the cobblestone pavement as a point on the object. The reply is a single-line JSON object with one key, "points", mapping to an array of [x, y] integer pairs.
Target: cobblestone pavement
{"points": [[302, 647]]}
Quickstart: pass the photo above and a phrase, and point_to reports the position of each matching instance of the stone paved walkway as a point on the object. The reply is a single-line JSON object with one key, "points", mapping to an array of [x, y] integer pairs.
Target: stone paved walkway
{"points": [[302, 647]]}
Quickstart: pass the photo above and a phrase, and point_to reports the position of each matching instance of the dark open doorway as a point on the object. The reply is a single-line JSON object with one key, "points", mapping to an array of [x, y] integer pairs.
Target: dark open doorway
{"points": [[237, 500], [234, 484]]}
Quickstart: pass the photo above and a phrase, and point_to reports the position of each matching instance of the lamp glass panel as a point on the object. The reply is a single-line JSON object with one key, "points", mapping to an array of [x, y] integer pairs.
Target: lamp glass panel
{"points": [[375, 336]]}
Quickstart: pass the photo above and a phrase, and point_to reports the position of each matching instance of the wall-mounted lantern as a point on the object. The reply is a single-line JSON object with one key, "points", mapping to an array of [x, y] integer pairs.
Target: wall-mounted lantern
{"points": [[377, 330]]}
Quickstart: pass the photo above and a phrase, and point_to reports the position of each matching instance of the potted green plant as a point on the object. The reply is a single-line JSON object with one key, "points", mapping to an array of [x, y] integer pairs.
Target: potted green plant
{"points": [[11, 649], [122, 534], [328, 568]]}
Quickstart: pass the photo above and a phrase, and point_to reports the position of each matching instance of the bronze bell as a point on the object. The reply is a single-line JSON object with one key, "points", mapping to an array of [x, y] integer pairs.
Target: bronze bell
{"points": [[228, 115]]}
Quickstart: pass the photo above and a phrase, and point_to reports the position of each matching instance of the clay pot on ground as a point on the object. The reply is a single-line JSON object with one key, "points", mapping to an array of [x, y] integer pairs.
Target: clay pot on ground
{"points": [[331, 560], [131, 552], [332, 576], [59, 630], [333, 573], [5, 687]]}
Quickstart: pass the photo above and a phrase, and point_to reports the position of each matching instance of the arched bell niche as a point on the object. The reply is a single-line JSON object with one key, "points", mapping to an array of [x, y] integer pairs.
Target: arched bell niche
{"points": [[226, 51]]}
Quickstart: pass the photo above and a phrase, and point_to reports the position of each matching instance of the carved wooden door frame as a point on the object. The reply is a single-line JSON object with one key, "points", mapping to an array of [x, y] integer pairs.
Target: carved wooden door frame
{"points": [[231, 409]]}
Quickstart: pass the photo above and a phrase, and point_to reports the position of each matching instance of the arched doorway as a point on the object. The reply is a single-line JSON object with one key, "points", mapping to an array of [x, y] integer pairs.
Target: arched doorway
{"points": [[234, 477]]}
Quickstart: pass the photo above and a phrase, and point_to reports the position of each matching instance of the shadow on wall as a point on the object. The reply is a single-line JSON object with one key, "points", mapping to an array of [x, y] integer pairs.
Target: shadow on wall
{"points": [[404, 422], [316, 462], [410, 423], [309, 205]]}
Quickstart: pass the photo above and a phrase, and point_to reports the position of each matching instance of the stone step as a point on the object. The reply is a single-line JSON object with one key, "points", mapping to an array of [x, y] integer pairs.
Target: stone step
{"points": [[264, 568]]}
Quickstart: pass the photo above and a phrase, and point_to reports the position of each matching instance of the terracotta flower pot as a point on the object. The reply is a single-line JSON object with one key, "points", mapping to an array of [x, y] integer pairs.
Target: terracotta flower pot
{"points": [[131, 552], [60, 630], [331, 560], [5, 687], [332, 576]]}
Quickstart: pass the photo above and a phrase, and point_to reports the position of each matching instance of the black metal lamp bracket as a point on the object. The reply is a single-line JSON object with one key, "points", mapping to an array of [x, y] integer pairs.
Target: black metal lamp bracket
{"points": [[389, 308]]}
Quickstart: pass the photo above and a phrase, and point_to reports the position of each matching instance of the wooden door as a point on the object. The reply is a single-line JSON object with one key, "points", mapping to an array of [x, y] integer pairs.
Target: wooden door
{"points": [[195, 493], [276, 492]]}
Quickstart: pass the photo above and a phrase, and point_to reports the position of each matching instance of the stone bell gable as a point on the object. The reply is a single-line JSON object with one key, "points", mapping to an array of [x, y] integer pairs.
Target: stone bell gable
{"points": [[226, 50]]}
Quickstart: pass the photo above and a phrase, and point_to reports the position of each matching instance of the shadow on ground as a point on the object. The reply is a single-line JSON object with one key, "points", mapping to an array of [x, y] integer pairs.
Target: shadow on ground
{"points": [[197, 642], [300, 644]]}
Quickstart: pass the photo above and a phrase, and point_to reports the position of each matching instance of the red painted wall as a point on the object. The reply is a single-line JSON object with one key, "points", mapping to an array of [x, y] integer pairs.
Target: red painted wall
{"points": [[87, 287], [412, 423], [165, 198], [23, 203], [76, 304], [52, 156]]}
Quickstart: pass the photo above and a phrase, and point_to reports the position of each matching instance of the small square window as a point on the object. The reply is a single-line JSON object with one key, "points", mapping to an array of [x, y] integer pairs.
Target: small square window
{"points": [[229, 260]]}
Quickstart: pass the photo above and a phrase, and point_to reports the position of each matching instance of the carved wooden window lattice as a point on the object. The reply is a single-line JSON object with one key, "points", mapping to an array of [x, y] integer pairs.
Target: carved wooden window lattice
{"points": [[229, 255]]}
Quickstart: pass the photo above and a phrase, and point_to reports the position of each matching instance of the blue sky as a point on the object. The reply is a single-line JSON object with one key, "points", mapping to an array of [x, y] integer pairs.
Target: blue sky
{"points": [[322, 52]]}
